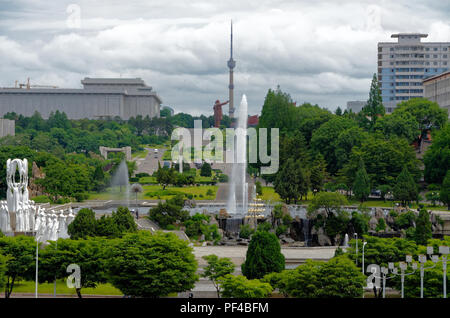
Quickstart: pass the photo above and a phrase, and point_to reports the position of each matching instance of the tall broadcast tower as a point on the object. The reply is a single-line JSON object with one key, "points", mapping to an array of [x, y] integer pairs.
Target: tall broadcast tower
{"points": [[231, 64]]}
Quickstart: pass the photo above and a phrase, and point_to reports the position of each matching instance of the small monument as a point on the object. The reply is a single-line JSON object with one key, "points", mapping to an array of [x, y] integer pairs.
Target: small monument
{"points": [[20, 215]]}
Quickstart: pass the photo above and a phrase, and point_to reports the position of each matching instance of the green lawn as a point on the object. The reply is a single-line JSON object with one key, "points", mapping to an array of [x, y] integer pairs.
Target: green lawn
{"points": [[140, 154], [151, 192], [61, 288], [145, 180]]}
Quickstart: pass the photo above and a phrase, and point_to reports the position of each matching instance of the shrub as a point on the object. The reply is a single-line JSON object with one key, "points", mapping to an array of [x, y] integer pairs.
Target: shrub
{"points": [[246, 231], [263, 256], [41, 199], [241, 287]]}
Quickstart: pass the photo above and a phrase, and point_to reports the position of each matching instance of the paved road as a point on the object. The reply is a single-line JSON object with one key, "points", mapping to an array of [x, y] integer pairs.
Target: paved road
{"points": [[149, 164]]}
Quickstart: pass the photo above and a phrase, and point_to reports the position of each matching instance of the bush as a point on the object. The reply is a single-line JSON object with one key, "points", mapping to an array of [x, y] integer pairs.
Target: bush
{"points": [[263, 256], [81, 196], [241, 287], [246, 231], [209, 193], [41, 199], [223, 178]]}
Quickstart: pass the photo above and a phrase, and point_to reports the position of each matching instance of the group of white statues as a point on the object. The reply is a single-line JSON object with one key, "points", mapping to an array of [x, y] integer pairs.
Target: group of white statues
{"points": [[19, 214]]}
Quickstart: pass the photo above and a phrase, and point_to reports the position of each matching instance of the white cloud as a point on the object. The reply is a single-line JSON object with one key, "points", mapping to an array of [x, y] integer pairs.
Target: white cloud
{"points": [[322, 52]]}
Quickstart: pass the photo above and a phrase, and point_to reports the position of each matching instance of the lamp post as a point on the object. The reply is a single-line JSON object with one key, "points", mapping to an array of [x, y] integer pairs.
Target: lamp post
{"points": [[364, 244], [422, 261], [403, 266], [444, 251], [356, 249]]}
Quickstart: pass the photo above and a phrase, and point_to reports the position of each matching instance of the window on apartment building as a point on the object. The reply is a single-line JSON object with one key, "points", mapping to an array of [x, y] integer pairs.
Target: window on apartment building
{"points": [[435, 49], [427, 49], [391, 49], [435, 56], [445, 63], [444, 56], [444, 49]]}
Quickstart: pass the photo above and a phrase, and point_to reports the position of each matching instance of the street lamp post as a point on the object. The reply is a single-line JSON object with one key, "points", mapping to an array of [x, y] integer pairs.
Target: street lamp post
{"points": [[364, 244], [356, 249], [403, 266], [423, 260], [444, 251]]}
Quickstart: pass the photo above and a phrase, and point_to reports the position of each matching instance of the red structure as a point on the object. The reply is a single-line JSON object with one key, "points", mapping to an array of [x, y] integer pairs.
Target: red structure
{"points": [[218, 112]]}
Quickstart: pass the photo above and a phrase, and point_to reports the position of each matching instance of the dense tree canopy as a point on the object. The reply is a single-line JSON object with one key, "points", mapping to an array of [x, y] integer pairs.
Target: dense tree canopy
{"points": [[151, 265], [337, 278], [437, 157]]}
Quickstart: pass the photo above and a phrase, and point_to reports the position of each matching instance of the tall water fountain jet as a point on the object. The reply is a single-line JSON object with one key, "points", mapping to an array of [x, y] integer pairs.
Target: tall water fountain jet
{"points": [[238, 194], [120, 179]]}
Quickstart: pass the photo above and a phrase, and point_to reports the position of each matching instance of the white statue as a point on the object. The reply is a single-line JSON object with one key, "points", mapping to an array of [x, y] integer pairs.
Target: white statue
{"points": [[55, 228], [62, 231]]}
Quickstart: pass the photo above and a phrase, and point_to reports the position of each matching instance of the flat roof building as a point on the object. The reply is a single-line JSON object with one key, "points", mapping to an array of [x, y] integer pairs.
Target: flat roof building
{"points": [[402, 66], [437, 89], [355, 105], [99, 98]]}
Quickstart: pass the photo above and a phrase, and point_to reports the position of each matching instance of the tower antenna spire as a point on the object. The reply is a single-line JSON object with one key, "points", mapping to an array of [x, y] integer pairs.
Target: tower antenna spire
{"points": [[231, 64], [231, 46]]}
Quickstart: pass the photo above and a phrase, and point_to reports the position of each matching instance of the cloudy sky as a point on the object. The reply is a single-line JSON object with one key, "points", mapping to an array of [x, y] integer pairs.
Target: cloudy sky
{"points": [[321, 52]]}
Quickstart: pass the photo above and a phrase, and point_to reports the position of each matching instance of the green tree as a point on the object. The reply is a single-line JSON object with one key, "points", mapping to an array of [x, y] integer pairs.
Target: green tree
{"points": [[318, 173], [374, 107], [258, 188], [403, 125], [217, 268], [206, 171], [241, 287], [405, 188], [165, 176], [444, 195], [88, 254], [324, 139], [423, 231], [83, 225], [437, 156], [3, 269], [20, 252], [246, 231], [337, 278], [361, 186], [381, 226], [263, 256], [292, 181], [329, 201], [383, 160], [169, 212], [151, 265], [427, 113]]}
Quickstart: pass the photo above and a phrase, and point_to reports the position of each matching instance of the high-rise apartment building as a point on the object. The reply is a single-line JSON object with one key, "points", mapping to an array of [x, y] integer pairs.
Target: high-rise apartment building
{"points": [[402, 66]]}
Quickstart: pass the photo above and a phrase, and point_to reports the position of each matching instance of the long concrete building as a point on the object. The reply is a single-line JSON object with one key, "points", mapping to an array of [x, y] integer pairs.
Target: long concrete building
{"points": [[437, 89], [99, 98], [402, 66]]}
